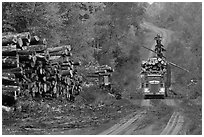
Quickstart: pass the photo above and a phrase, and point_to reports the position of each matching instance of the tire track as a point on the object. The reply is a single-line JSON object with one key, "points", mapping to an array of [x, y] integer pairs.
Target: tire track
{"points": [[174, 125], [169, 102], [123, 125], [146, 103]]}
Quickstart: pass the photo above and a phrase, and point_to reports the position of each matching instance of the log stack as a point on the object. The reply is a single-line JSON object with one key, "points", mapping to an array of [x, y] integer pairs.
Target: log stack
{"points": [[30, 66], [103, 74]]}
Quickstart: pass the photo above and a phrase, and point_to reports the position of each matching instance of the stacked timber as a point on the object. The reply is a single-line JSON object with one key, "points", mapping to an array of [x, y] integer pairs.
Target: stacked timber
{"points": [[103, 74], [28, 65]]}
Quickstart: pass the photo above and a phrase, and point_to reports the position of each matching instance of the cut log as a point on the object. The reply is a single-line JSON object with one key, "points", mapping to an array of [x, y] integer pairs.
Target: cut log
{"points": [[65, 68], [19, 43], [37, 47], [60, 53], [6, 108], [98, 72], [58, 49], [9, 40], [14, 70], [9, 53], [9, 65], [93, 75], [26, 52], [7, 33], [7, 81], [13, 39], [19, 52], [65, 72], [56, 60], [54, 63], [55, 57], [10, 90], [9, 62], [23, 58], [66, 65], [43, 59], [26, 38], [9, 75], [76, 63], [35, 40], [104, 74], [9, 47]]}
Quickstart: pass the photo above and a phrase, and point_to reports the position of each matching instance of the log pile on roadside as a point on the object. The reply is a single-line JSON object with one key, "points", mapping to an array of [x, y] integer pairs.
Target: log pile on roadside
{"points": [[30, 67]]}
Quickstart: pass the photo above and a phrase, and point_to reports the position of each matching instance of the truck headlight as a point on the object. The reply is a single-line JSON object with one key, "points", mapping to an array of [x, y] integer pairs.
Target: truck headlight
{"points": [[146, 90], [162, 90]]}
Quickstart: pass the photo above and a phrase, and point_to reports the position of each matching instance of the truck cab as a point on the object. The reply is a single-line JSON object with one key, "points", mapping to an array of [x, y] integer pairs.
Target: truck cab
{"points": [[153, 85]]}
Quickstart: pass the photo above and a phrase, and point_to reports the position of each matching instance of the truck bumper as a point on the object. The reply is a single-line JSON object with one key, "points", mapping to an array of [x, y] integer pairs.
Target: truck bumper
{"points": [[157, 93]]}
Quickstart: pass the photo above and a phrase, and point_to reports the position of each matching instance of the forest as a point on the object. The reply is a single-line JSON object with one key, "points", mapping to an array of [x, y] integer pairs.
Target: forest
{"points": [[110, 33], [98, 32]]}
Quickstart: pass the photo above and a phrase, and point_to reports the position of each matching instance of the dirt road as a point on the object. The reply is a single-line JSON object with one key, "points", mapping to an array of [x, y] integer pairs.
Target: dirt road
{"points": [[123, 125], [174, 125], [170, 123]]}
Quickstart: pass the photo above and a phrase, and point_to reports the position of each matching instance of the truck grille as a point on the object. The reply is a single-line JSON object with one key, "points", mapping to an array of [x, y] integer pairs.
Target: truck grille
{"points": [[154, 88]]}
